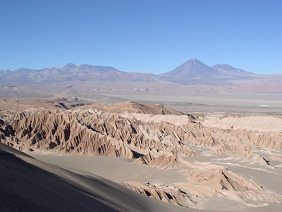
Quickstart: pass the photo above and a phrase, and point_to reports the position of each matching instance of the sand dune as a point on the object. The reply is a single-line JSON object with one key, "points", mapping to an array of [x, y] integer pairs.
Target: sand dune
{"points": [[37, 186]]}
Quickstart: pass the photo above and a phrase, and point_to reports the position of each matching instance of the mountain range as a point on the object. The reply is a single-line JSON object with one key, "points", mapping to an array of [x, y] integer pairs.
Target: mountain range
{"points": [[192, 71], [195, 71]]}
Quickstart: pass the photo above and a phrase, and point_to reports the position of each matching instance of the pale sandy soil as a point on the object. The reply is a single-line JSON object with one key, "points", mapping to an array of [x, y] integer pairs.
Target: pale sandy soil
{"points": [[252, 123], [37, 186], [120, 170], [180, 120]]}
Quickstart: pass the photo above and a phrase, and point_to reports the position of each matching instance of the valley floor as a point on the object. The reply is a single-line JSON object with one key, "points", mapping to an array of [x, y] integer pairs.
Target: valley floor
{"points": [[136, 157]]}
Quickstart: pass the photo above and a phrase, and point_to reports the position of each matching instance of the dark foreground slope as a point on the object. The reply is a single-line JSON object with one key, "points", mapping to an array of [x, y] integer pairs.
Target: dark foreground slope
{"points": [[30, 185]]}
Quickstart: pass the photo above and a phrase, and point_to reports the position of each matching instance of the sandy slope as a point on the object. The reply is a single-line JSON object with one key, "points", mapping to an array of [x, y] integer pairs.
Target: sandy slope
{"points": [[253, 123], [37, 186], [121, 170]]}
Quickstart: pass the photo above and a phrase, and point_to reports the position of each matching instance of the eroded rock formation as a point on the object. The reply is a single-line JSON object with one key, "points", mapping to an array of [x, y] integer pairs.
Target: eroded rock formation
{"points": [[158, 141]]}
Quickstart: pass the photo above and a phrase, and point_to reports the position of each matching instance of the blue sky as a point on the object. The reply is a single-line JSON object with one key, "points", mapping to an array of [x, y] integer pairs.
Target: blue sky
{"points": [[141, 35]]}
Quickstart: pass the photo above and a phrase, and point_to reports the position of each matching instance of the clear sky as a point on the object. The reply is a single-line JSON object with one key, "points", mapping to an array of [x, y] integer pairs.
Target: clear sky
{"points": [[141, 35]]}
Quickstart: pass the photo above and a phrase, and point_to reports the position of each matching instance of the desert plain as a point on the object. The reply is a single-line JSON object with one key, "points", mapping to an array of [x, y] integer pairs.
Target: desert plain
{"points": [[149, 154], [141, 106]]}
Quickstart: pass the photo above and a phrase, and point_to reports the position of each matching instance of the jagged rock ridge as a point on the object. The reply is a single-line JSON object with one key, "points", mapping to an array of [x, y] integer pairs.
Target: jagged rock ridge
{"points": [[162, 141]]}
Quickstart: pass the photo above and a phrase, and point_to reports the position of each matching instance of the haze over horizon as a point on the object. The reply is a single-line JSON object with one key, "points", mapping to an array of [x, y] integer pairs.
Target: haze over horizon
{"points": [[141, 36], [106, 66]]}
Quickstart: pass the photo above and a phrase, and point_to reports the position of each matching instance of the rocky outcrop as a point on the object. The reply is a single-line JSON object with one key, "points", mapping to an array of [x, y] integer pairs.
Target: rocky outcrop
{"points": [[212, 180], [46, 130], [168, 194], [159, 160], [159, 141], [85, 132], [133, 107], [98, 133], [208, 182]]}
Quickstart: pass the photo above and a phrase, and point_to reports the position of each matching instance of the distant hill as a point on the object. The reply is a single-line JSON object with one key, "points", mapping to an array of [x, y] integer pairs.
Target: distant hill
{"points": [[191, 72], [194, 71], [72, 72], [234, 72]]}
